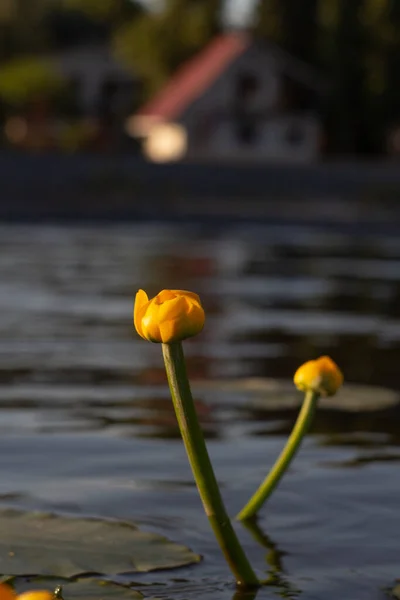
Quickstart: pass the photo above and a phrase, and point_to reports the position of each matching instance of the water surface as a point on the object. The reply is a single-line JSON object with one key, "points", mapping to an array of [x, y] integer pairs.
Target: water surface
{"points": [[87, 426]]}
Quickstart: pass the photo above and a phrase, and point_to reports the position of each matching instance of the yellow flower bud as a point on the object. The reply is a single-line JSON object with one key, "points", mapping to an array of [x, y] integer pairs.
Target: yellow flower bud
{"points": [[322, 376], [171, 316], [36, 595], [7, 593]]}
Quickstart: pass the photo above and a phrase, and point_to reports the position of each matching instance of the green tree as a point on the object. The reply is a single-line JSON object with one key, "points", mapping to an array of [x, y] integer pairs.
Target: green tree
{"points": [[111, 11], [38, 26], [392, 100], [348, 85], [23, 29], [25, 79], [156, 43], [290, 23], [356, 44], [364, 64]]}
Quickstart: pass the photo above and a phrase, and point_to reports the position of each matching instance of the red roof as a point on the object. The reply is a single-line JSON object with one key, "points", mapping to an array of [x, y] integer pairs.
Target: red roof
{"points": [[195, 76]]}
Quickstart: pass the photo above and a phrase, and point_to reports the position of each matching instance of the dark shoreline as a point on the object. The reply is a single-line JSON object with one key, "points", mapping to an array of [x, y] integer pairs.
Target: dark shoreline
{"points": [[122, 188]]}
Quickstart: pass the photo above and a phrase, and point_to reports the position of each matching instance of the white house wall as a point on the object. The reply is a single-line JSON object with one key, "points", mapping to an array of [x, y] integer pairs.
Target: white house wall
{"points": [[218, 98], [210, 122]]}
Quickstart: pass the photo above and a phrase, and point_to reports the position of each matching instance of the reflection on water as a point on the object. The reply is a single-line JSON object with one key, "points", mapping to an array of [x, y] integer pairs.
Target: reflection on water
{"points": [[87, 426], [274, 558]]}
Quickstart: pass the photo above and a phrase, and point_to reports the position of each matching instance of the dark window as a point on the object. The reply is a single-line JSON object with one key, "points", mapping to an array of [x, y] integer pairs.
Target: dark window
{"points": [[294, 134], [247, 85], [246, 131], [297, 96]]}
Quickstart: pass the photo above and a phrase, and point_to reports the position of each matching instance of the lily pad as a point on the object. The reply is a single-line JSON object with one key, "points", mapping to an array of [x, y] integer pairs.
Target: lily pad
{"points": [[274, 394], [45, 544], [101, 590]]}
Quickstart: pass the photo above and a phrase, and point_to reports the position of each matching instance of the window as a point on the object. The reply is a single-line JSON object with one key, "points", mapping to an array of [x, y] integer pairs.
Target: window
{"points": [[247, 85], [245, 122], [295, 134]]}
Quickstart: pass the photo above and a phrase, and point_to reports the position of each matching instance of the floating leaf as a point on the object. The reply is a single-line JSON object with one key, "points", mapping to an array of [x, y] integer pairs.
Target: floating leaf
{"points": [[43, 544], [90, 588], [274, 394]]}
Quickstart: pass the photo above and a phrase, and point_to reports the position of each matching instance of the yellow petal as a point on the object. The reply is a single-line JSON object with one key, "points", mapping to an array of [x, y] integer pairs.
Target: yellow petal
{"points": [[332, 375], [197, 318], [190, 295], [151, 322], [186, 326], [164, 296], [304, 375], [173, 309], [36, 595], [141, 302], [170, 332], [6, 592]]}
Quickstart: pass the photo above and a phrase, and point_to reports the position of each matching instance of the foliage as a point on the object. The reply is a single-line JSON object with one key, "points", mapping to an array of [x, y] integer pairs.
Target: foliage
{"points": [[290, 23], [155, 44], [356, 46], [50, 545], [104, 10], [24, 79]]}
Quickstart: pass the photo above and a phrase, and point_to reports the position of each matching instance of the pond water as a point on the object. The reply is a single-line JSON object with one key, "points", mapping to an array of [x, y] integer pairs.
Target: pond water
{"points": [[87, 427]]}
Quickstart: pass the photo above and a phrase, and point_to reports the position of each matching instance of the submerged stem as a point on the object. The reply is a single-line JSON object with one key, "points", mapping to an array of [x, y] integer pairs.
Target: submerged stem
{"points": [[200, 463], [271, 481]]}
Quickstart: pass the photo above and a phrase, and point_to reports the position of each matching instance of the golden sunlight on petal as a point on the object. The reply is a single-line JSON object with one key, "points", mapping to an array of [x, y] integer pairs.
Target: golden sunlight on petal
{"points": [[191, 295], [36, 595], [165, 296], [150, 323], [141, 300], [173, 309], [170, 332]]}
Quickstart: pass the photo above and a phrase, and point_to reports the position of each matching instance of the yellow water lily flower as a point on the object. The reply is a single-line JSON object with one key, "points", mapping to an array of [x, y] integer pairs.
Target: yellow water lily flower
{"points": [[322, 376], [171, 316], [36, 595], [7, 593]]}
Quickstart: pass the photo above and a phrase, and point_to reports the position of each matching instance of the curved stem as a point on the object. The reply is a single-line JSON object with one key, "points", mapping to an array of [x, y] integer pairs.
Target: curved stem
{"points": [[271, 481], [200, 463]]}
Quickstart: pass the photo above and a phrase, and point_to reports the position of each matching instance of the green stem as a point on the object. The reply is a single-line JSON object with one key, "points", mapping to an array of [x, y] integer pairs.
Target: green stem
{"points": [[271, 481], [199, 460]]}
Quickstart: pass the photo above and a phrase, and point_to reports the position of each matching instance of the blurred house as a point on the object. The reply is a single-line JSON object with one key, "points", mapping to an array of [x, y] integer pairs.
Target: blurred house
{"points": [[77, 98], [100, 84], [238, 99]]}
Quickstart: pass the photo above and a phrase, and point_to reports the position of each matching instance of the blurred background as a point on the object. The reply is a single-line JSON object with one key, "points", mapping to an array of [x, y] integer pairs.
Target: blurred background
{"points": [[119, 109], [211, 79]]}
